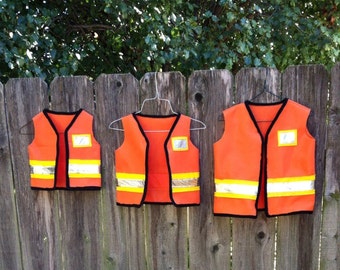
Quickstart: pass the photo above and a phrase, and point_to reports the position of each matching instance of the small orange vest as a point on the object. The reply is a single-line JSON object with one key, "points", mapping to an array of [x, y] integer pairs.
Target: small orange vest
{"points": [[64, 153], [157, 162], [265, 159]]}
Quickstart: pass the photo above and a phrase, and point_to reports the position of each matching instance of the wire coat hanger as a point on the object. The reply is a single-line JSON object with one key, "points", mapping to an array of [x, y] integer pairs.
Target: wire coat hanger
{"points": [[266, 91], [157, 97]]}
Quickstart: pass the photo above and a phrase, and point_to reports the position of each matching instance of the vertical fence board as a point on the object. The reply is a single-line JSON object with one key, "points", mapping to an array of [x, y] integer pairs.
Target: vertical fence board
{"points": [[330, 246], [299, 235], [165, 250], [78, 220], [10, 257], [210, 92], [122, 227], [254, 238], [24, 99]]}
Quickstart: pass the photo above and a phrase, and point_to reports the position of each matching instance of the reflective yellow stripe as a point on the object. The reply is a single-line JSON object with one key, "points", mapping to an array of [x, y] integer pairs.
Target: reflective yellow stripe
{"points": [[236, 182], [42, 176], [85, 161], [291, 193], [292, 179], [131, 189], [130, 176], [84, 175], [185, 189], [235, 196], [190, 175], [42, 163]]}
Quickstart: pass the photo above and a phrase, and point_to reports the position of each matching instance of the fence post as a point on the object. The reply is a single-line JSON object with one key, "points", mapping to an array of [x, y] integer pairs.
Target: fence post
{"points": [[35, 211], [299, 235], [10, 257], [210, 92], [330, 244]]}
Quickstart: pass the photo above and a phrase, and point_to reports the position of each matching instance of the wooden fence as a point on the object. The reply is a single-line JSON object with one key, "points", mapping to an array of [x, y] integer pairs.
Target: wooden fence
{"points": [[76, 230]]}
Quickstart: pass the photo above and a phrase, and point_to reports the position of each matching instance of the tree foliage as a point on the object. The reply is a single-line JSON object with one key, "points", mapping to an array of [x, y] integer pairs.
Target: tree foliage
{"points": [[50, 38]]}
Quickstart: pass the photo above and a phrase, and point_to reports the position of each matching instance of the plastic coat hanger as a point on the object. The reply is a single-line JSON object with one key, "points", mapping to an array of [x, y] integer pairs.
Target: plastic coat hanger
{"points": [[157, 97]]}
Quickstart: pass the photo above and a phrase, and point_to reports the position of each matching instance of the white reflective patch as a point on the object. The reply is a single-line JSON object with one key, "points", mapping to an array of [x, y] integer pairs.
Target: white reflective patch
{"points": [[237, 189], [83, 168], [81, 140], [290, 186], [287, 137], [179, 143]]}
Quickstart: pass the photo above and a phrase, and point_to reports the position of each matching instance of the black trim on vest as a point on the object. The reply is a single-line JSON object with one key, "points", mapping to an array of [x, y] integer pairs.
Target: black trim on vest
{"points": [[264, 140], [147, 153], [266, 213], [168, 158], [76, 114]]}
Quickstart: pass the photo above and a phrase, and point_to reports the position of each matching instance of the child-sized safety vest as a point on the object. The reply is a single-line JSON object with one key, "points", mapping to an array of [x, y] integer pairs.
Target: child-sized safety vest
{"points": [[265, 160], [64, 153], [157, 162]]}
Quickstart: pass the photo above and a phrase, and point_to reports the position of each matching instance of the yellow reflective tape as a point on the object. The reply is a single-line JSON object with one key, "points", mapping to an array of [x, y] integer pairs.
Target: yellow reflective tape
{"points": [[235, 196], [42, 162], [84, 175], [185, 189], [190, 175], [292, 179], [290, 193], [130, 176], [85, 161], [130, 189], [236, 182], [42, 176]]}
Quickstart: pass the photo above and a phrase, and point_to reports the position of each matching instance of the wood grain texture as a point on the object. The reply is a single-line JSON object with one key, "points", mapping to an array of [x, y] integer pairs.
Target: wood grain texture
{"points": [[255, 238], [87, 230], [122, 228], [35, 210], [330, 245], [10, 257], [299, 236], [209, 93], [78, 219]]}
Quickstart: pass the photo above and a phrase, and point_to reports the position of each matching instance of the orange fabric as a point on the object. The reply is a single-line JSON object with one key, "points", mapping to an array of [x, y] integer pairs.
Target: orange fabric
{"points": [[147, 151], [249, 150], [53, 142]]}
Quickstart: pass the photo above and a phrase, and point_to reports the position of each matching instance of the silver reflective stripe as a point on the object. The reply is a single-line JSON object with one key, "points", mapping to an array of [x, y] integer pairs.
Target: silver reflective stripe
{"points": [[185, 182], [84, 168], [290, 186], [130, 182], [237, 189], [45, 170]]}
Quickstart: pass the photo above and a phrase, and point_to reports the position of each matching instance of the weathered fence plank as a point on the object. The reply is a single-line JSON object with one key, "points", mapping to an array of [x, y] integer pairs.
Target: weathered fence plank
{"points": [[24, 99], [209, 93], [330, 245], [122, 228], [254, 238], [78, 219], [165, 250], [10, 257], [299, 235]]}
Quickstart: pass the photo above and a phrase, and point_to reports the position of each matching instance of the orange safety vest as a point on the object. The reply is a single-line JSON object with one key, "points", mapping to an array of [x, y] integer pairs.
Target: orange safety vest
{"points": [[64, 153], [265, 160], [157, 162]]}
